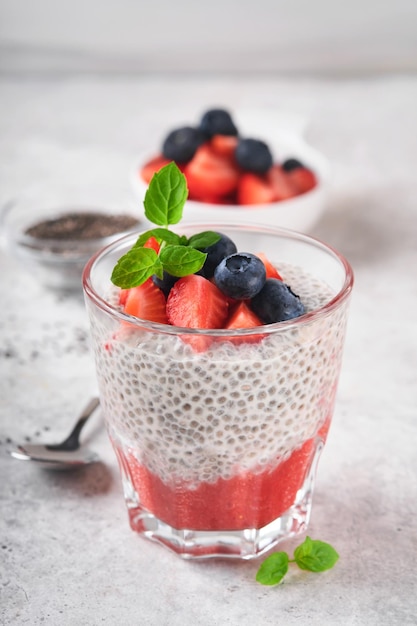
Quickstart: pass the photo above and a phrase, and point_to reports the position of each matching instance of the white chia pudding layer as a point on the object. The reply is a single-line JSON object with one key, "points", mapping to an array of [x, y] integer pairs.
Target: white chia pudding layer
{"points": [[198, 416]]}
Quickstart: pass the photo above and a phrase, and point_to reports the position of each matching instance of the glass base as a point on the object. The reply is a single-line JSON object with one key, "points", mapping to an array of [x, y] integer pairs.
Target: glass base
{"points": [[243, 544]]}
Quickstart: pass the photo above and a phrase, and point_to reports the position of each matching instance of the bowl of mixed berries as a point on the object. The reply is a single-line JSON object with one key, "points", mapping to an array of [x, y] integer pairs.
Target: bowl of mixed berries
{"points": [[234, 177]]}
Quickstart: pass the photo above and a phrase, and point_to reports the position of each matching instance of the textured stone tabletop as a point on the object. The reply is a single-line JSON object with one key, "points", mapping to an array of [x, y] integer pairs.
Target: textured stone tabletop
{"points": [[67, 554]]}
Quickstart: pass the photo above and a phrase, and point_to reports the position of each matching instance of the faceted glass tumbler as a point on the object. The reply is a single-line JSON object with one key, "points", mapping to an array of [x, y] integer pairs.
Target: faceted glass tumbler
{"points": [[218, 433]]}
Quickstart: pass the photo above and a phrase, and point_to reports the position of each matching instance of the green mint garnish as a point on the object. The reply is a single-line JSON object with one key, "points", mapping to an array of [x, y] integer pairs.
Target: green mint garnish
{"points": [[181, 260], [178, 255], [312, 555], [273, 569], [135, 267], [166, 196], [315, 555]]}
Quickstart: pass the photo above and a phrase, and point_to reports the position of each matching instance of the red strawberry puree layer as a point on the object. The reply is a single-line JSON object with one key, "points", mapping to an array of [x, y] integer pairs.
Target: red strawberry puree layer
{"points": [[244, 501]]}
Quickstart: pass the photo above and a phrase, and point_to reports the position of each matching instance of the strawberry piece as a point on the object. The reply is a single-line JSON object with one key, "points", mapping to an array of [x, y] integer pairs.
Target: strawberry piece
{"points": [[146, 302], [224, 145], [273, 186], [303, 179], [271, 270], [281, 184], [153, 166], [152, 243], [254, 189], [195, 302], [243, 317], [210, 175]]}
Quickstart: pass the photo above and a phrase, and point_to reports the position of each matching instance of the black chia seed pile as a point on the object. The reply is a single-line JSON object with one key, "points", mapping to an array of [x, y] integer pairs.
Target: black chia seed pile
{"points": [[83, 226]]}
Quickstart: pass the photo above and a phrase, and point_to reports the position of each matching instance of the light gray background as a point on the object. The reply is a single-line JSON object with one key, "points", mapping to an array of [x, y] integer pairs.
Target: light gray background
{"points": [[359, 36], [84, 87]]}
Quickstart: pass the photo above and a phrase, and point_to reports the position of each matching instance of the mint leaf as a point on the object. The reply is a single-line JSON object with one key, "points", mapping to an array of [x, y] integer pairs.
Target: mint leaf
{"points": [[135, 267], [161, 234], [315, 555], [181, 260], [166, 196], [204, 240], [273, 569]]}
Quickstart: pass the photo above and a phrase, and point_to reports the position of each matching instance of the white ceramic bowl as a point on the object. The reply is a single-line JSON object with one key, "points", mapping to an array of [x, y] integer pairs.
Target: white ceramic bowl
{"points": [[298, 213]]}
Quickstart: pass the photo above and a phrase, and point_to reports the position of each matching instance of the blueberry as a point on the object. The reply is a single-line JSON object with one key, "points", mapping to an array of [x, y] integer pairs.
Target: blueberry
{"points": [[291, 164], [165, 283], [275, 302], [181, 144], [241, 275], [217, 122], [253, 155], [216, 253]]}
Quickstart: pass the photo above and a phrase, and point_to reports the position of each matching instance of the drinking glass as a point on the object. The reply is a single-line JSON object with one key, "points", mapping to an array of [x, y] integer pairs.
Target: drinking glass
{"points": [[218, 433]]}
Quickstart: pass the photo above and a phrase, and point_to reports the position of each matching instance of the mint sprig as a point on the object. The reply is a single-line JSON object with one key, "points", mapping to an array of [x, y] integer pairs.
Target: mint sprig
{"points": [[178, 255], [312, 555]]}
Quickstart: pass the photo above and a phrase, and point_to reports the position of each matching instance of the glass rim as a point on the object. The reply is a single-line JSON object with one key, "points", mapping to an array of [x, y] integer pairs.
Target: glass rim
{"points": [[142, 324]]}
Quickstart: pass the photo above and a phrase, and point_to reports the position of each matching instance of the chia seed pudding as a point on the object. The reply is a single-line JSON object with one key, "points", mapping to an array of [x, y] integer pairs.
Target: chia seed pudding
{"points": [[190, 419]]}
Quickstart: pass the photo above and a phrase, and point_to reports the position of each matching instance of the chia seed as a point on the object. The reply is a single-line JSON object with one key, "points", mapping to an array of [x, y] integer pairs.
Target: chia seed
{"points": [[82, 226]]}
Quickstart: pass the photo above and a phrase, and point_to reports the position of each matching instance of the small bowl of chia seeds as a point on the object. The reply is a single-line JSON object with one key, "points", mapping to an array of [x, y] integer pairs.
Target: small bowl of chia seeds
{"points": [[54, 239]]}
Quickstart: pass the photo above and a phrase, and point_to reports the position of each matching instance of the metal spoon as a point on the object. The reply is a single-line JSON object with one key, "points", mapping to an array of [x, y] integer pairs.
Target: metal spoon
{"points": [[66, 455]]}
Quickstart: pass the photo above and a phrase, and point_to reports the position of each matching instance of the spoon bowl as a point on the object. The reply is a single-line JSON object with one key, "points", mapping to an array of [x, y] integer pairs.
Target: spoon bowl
{"points": [[69, 454]]}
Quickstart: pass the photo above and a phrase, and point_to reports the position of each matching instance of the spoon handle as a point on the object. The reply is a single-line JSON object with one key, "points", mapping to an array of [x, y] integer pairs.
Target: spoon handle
{"points": [[72, 441]]}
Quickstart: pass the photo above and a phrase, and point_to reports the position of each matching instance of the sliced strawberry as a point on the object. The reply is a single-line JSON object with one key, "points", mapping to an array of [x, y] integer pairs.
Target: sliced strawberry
{"points": [[210, 175], [271, 270], [282, 186], [224, 145], [146, 302], [243, 317], [195, 302], [303, 179], [254, 189], [152, 166]]}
